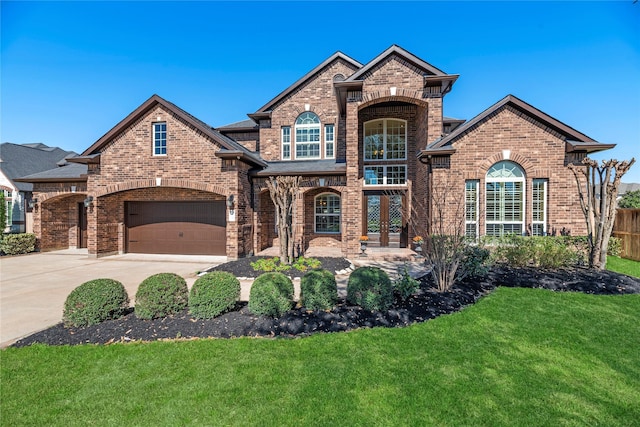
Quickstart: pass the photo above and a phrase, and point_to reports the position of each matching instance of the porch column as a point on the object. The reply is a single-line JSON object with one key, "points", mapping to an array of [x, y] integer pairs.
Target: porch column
{"points": [[352, 195]]}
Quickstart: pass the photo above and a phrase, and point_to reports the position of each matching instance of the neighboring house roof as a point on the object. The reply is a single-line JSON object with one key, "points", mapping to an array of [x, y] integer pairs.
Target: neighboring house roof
{"points": [[330, 60], [576, 141], [248, 124], [19, 160], [303, 167], [226, 142], [68, 172], [626, 187]]}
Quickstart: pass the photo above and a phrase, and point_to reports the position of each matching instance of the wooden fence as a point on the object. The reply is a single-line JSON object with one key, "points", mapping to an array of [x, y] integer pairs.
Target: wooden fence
{"points": [[627, 229]]}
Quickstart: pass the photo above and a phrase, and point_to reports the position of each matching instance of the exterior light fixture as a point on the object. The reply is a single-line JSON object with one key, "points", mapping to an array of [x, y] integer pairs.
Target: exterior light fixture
{"points": [[88, 201], [230, 201], [33, 203]]}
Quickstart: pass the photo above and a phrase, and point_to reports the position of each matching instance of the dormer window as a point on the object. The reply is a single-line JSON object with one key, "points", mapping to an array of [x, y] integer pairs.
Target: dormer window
{"points": [[307, 136]]}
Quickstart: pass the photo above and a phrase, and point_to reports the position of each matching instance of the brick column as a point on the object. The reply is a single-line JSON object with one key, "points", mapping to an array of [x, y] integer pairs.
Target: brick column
{"points": [[352, 196]]}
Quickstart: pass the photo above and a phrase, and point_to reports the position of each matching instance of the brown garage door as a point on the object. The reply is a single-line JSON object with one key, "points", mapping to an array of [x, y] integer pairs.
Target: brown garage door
{"points": [[190, 228]]}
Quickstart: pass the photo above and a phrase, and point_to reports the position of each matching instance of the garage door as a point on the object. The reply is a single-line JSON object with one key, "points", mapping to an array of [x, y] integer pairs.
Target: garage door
{"points": [[190, 228]]}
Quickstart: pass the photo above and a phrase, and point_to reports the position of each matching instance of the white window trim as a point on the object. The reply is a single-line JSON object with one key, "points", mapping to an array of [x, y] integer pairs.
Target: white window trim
{"points": [[327, 141], [384, 140], [545, 186], [475, 222], [154, 124], [297, 126], [316, 214], [384, 176], [285, 143], [523, 180]]}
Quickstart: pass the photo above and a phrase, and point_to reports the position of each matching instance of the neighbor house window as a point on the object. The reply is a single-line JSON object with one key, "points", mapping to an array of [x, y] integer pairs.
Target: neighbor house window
{"points": [[327, 213], [286, 143], [160, 139], [505, 199], [329, 140], [307, 141], [385, 175], [539, 207], [471, 208]]}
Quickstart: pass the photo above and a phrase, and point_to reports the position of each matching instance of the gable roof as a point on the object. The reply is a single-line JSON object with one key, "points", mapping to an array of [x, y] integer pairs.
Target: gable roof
{"points": [[576, 141], [302, 167], [18, 160], [330, 60], [402, 53], [226, 142]]}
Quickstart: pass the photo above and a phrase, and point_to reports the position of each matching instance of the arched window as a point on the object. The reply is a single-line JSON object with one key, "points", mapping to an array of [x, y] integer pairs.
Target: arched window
{"points": [[505, 199], [327, 213], [307, 131]]}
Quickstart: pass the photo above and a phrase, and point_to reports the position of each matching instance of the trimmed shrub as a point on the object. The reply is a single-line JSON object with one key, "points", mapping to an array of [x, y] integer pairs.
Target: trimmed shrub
{"points": [[271, 295], [476, 262], [370, 288], [161, 295], [213, 294], [405, 285], [539, 251], [14, 244], [318, 290], [95, 301]]}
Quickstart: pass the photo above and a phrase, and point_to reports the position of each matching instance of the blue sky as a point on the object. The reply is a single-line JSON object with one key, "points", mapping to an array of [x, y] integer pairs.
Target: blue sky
{"points": [[73, 70]]}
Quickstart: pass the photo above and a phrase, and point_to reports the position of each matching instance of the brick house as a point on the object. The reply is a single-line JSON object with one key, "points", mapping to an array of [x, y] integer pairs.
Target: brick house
{"points": [[372, 147]]}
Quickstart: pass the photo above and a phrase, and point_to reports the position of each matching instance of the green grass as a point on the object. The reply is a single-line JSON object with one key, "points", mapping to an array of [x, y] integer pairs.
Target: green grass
{"points": [[624, 266], [518, 357]]}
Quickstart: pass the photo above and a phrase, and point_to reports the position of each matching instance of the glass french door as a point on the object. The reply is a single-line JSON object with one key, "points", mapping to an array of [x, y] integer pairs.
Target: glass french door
{"points": [[383, 215]]}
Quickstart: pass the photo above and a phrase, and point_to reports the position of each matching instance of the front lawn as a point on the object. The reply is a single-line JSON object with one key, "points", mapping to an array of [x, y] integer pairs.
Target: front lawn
{"points": [[623, 265], [517, 357]]}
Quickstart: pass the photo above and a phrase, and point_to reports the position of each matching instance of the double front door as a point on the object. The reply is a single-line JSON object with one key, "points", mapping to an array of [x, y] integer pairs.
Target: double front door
{"points": [[384, 219]]}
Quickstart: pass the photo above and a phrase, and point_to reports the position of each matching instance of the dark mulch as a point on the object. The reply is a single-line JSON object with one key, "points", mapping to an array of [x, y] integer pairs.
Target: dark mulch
{"points": [[426, 304]]}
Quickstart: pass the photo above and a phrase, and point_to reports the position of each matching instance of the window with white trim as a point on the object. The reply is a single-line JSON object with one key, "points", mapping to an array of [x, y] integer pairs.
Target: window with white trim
{"points": [[286, 143], [327, 213], [505, 196], [307, 138], [471, 205], [329, 140], [160, 139], [539, 207], [385, 175], [385, 139]]}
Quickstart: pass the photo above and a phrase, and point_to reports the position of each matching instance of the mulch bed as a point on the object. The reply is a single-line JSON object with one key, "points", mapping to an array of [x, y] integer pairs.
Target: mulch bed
{"points": [[426, 304]]}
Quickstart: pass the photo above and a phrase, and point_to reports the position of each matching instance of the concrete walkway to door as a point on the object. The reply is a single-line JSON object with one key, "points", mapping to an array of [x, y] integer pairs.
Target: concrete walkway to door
{"points": [[33, 287]]}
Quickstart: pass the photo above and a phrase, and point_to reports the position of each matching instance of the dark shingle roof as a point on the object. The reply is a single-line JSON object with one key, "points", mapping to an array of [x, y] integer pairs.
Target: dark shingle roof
{"points": [[303, 167], [18, 160], [67, 172], [244, 124]]}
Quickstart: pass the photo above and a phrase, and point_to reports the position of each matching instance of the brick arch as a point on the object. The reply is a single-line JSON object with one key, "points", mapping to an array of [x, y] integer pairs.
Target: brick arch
{"points": [[164, 182], [43, 197], [409, 96], [297, 110], [517, 158]]}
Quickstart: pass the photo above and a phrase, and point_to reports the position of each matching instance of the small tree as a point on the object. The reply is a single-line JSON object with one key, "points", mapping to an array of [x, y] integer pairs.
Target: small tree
{"points": [[446, 242], [630, 200], [284, 192], [598, 189], [3, 212]]}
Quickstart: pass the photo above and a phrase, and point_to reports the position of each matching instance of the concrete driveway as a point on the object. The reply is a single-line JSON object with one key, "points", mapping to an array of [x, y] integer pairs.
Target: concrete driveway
{"points": [[33, 287]]}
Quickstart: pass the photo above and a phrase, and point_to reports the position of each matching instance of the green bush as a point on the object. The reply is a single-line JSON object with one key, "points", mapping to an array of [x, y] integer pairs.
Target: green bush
{"points": [[476, 261], [304, 264], [161, 295], [14, 244], [95, 301], [213, 294], [370, 288], [271, 295], [269, 265], [405, 285], [318, 290], [539, 251], [615, 246]]}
